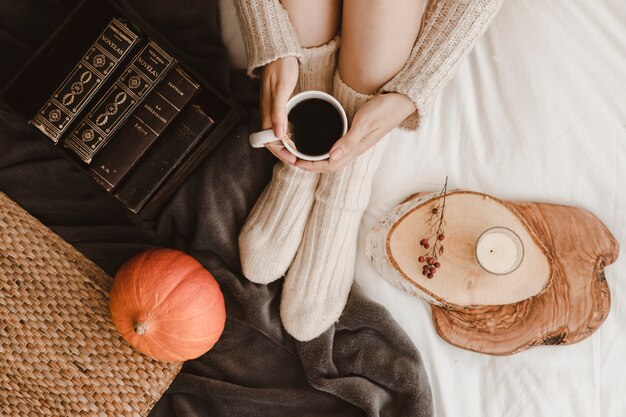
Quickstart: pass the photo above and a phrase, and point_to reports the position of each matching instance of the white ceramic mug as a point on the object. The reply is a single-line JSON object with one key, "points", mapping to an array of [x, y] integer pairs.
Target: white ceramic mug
{"points": [[259, 139]]}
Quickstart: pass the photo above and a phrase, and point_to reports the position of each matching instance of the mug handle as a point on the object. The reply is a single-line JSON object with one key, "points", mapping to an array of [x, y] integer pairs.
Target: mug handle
{"points": [[259, 139]]}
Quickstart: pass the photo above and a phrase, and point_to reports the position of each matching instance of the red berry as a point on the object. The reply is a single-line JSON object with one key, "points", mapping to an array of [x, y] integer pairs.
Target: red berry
{"points": [[430, 261], [430, 275], [434, 211], [424, 273], [437, 265], [420, 259], [427, 246], [424, 242], [442, 236]]}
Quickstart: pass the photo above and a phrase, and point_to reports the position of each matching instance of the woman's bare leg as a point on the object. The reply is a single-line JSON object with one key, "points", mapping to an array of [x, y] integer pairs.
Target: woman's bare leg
{"points": [[316, 21], [377, 37]]}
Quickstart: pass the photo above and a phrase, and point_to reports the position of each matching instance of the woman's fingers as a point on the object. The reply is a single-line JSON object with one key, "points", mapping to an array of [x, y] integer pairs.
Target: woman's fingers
{"points": [[274, 98], [281, 80], [266, 104], [278, 81], [280, 152], [321, 166], [350, 142], [277, 148], [346, 145], [342, 152], [278, 113], [327, 165], [353, 148]]}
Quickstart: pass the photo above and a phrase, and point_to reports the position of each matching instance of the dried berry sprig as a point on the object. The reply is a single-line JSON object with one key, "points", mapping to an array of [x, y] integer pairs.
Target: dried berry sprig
{"points": [[437, 222]]}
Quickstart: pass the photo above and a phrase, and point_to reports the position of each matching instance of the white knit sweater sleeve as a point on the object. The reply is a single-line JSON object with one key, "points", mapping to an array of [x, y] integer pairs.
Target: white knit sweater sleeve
{"points": [[267, 32], [448, 31]]}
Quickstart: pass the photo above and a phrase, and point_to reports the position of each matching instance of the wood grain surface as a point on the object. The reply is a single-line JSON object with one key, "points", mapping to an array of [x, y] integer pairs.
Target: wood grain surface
{"points": [[557, 296], [575, 304], [461, 281]]}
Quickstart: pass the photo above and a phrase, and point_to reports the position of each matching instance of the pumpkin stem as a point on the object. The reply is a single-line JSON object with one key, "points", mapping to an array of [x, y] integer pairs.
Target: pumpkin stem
{"points": [[141, 328]]}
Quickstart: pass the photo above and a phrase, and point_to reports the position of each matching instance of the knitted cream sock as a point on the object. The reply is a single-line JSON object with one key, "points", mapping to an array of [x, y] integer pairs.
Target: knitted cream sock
{"points": [[318, 283], [273, 231]]}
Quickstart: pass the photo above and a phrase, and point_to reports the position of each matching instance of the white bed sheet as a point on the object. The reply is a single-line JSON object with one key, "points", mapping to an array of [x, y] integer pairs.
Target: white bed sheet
{"points": [[536, 112]]}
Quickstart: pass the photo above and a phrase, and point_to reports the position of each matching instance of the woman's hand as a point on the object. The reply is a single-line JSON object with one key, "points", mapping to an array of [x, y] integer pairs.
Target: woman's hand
{"points": [[371, 122], [278, 80]]}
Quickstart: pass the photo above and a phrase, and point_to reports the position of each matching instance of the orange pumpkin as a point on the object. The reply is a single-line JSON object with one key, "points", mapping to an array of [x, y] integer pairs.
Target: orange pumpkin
{"points": [[167, 306]]}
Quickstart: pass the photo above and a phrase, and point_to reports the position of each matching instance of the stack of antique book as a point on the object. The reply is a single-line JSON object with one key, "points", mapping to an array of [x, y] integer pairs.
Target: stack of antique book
{"points": [[128, 112]]}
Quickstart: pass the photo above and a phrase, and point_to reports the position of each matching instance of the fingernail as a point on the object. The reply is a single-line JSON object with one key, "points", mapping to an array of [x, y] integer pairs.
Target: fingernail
{"points": [[278, 131], [336, 154]]}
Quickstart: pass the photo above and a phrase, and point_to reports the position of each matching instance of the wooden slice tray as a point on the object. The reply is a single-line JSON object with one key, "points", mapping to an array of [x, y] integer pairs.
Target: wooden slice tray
{"points": [[562, 299]]}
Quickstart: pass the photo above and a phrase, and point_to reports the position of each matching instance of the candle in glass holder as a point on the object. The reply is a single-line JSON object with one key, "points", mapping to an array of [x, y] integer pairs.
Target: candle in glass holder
{"points": [[499, 250]]}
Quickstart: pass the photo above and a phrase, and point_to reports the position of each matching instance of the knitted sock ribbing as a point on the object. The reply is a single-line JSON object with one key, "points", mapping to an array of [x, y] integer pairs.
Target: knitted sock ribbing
{"points": [[318, 283], [318, 66], [273, 231]]}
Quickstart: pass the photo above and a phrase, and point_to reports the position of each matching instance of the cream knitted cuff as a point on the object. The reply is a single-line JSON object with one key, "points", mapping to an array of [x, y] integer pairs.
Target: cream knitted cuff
{"points": [[449, 29], [318, 283], [272, 233], [267, 32]]}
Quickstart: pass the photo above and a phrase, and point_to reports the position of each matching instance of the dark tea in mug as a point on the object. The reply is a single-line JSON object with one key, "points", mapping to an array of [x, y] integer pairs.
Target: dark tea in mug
{"points": [[314, 126]]}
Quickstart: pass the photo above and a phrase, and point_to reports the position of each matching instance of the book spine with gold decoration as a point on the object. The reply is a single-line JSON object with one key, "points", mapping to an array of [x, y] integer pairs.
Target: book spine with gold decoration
{"points": [[145, 71], [162, 160], [115, 42], [143, 128]]}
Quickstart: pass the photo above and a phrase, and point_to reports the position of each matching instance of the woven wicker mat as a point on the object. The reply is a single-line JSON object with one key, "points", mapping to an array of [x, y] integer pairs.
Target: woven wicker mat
{"points": [[60, 354]]}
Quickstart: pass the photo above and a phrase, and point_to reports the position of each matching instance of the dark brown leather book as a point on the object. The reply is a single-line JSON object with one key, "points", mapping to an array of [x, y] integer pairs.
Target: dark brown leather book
{"points": [[146, 124], [144, 72], [167, 154], [88, 76]]}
